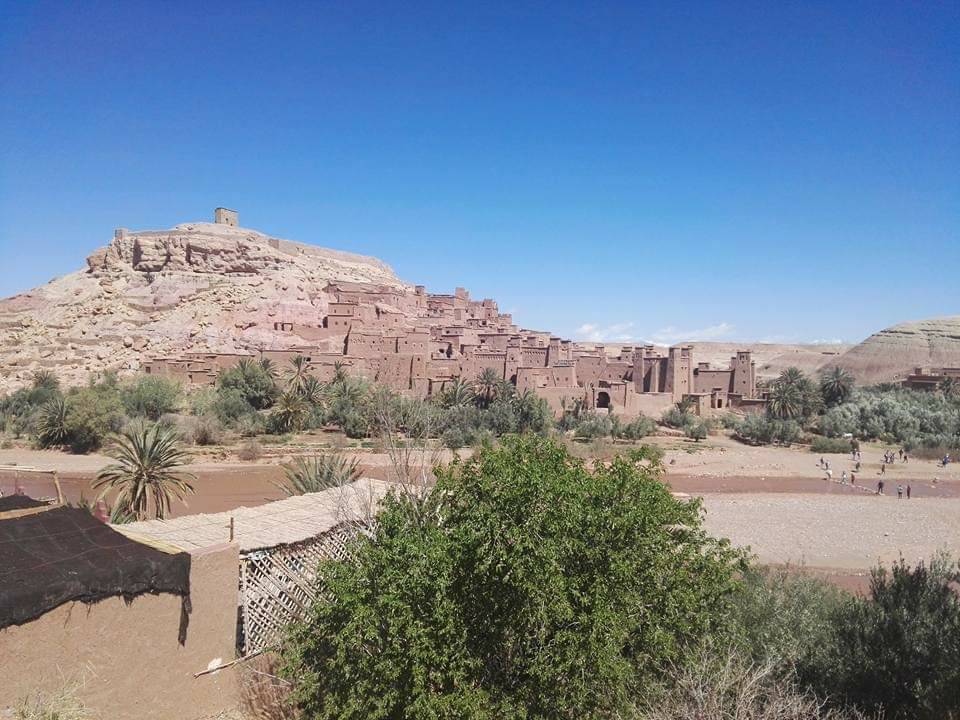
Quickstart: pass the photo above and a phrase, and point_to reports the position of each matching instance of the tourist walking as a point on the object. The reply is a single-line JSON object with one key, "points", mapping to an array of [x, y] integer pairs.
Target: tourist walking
{"points": [[908, 492], [843, 478], [899, 492], [879, 487]]}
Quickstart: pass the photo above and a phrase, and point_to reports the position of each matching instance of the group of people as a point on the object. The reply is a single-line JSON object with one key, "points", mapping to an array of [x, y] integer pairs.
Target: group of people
{"points": [[899, 489], [889, 457]]}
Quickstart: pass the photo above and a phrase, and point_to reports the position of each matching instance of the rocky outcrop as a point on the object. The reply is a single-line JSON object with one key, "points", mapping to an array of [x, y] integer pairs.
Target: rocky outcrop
{"points": [[226, 250], [891, 354], [195, 287]]}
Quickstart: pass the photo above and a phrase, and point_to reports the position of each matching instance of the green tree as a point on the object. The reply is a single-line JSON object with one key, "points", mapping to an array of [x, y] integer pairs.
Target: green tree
{"points": [[899, 649], [836, 385], [289, 413], [92, 413], [51, 423], [150, 396], [523, 586], [487, 386], [252, 381], [298, 374], [321, 472], [458, 393], [147, 474]]}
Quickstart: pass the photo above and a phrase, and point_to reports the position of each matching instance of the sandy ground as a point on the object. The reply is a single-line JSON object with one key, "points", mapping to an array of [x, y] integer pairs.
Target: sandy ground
{"points": [[775, 500], [850, 532]]}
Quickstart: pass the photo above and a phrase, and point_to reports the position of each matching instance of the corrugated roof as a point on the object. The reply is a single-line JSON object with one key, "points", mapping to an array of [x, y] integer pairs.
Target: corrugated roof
{"points": [[282, 522]]}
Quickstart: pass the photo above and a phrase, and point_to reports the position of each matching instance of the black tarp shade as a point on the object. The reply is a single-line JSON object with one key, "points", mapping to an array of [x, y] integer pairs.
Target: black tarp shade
{"points": [[64, 554], [19, 502]]}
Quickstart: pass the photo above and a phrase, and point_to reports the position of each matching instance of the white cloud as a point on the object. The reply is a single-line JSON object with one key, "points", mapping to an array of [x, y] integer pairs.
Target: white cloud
{"points": [[618, 332], [670, 334]]}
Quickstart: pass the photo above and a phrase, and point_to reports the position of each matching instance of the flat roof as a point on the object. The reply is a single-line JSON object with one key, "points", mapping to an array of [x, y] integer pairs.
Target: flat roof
{"points": [[283, 522]]}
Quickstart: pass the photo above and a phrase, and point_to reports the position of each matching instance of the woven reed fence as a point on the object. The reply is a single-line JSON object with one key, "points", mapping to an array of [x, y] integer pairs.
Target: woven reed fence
{"points": [[278, 584]]}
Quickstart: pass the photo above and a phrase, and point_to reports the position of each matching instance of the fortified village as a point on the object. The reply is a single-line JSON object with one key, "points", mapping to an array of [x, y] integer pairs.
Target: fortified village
{"points": [[417, 342]]}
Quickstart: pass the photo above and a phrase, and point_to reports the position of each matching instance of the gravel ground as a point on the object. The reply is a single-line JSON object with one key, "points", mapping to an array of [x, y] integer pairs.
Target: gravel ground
{"points": [[835, 531]]}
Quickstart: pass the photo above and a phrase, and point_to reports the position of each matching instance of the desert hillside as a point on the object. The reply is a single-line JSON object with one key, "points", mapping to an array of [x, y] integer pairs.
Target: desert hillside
{"points": [[889, 355], [195, 287]]}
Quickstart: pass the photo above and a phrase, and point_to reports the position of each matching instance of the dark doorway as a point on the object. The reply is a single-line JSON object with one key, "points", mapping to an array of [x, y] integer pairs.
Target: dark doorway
{"points": [[603, 400]]}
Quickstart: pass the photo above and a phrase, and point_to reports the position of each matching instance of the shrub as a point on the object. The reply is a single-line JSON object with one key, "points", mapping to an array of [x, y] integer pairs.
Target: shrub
{"points": [[638, 428], [205, 430], [231, 405], [784, 615], [51, 423], [92, 414], [899, 649], [150, 396], [523, 586], [593, 427], [677, 418], [252, 381], [696, 431], [320, 472], [249, 451], [763, 430], [722, 684], [824, 445]]}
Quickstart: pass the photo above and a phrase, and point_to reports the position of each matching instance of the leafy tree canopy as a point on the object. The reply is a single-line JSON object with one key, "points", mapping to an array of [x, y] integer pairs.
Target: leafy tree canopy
{"points": [[525, 585]]}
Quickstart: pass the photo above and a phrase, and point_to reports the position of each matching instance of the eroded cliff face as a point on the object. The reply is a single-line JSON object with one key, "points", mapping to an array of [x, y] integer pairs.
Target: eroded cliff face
{"points": [[226, 250], [891, 354], [195, 287]]}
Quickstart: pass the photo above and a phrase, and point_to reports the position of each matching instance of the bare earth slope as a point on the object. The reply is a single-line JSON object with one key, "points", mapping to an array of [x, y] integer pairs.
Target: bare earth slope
{"points": [[196, 287], [891, 354]]}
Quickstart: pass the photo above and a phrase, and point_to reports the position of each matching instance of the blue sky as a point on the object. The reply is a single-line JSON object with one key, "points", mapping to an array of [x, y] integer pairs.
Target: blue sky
{"points": [[666, 171]]}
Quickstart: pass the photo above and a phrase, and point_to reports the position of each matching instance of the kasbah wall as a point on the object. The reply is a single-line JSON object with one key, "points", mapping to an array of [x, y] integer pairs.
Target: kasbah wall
{"points": [[417, 342]]}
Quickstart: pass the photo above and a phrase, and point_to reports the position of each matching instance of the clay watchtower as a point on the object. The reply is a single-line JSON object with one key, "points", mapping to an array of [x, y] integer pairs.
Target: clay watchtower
{"points": [[225, 216]]}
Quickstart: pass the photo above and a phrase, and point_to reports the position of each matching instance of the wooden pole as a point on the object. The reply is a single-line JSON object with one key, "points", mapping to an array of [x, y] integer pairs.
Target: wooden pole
{"points": [[56, 481]]}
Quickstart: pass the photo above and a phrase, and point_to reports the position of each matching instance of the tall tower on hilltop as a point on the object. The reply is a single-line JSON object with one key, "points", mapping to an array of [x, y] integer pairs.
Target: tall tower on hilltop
{"points": [[226, 216]]}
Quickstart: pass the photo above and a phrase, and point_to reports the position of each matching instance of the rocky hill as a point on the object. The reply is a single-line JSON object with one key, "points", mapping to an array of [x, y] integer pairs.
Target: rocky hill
{"points": [[195, 287], [891, 354]]}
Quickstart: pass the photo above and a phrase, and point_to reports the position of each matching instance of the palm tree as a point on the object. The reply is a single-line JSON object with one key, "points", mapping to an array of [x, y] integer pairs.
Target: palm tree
{"points": [[318, 473], [487, 386], [297, 377], [52, 423], [457, 394], [339, 372], [268, 367], [785, 400], [792, 376], [290, 412], [146, 474], [505, 390], [313, 390], [836, 385]]}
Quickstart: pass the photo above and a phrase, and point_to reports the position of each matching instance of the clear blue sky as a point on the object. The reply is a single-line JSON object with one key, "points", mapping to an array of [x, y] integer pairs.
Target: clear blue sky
{"points": [[619, 170]]}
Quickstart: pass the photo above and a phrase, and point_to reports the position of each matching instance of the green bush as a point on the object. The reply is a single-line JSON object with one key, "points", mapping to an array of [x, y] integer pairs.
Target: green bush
{"points": [[594, 427], [764, 430], [638, 428], [899, 649], [825, 445], [231, 405], [92, 413], [149, 396], [696, 431], [252, 381], [524, 586], [677, 418]]}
